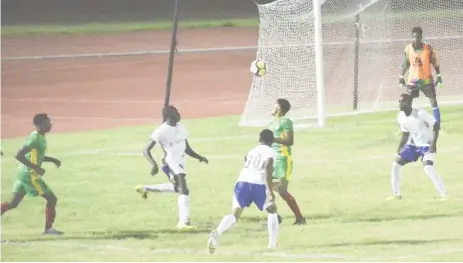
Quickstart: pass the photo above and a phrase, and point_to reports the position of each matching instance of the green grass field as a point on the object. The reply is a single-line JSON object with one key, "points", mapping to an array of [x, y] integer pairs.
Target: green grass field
{"points": [[26, 30], [341, 180]]}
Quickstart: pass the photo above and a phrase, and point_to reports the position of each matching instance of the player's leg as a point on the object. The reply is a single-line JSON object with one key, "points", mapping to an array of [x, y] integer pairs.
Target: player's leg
{"points": [[183, 201], [273, 225], [50, 208], [165, 188], [430, 92], [406, 155], [283, 172], [430, 170], [18, 194], [242, 198]]}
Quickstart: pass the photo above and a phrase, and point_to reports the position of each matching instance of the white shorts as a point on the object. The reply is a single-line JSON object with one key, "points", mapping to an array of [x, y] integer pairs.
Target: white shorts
{"points": [[176, 166]]}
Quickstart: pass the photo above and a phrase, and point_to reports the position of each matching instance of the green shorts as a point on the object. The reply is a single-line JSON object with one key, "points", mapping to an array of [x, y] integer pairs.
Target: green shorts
{"points": [[31, 184], [283, 167]]}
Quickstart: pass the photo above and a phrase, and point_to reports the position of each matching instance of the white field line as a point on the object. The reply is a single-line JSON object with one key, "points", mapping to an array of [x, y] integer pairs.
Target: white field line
{"points": [[209, 50], [217, 99], [328, 160], [276, 255]]}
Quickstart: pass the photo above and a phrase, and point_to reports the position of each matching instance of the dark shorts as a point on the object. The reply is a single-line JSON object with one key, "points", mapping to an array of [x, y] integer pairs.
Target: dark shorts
{"points": [[428, 90]]}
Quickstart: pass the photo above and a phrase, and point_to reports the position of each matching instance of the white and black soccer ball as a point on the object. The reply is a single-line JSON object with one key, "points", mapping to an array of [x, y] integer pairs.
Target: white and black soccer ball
{"points": [[258, 68]]}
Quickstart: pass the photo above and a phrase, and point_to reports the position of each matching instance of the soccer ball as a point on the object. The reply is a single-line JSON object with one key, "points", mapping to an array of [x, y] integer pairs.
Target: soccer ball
{"points": [[258, 68]]}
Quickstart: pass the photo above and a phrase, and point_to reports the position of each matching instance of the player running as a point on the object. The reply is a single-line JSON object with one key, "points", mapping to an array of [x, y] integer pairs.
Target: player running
{"points": [[282, 128], [29, 177], [416, 142], [172, 137], [254, 186], [418, 60]]}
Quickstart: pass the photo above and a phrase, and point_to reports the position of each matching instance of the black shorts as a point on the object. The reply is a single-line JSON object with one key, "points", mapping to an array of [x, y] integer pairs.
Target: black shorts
{"points": [[428, 90]]}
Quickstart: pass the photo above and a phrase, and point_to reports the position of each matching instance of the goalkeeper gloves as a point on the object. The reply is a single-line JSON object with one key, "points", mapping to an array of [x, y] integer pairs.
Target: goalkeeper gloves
{"points": [[401, 80], [439, 82]]}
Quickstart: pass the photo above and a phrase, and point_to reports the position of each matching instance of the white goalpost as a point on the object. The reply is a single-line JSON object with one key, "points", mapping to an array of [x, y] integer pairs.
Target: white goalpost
{"points": [[342, 57]]}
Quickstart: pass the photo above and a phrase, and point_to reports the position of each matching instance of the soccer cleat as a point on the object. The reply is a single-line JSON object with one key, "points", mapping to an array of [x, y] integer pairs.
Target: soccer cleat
{"points": [[186, 226], [394, 197], [300, 221], [52, 231], [142, 191], [212, 241]]}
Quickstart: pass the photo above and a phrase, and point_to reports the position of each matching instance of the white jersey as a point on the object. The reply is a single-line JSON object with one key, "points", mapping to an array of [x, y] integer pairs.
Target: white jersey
{"points": [[254, 167], [419, 125], [173, 140]]}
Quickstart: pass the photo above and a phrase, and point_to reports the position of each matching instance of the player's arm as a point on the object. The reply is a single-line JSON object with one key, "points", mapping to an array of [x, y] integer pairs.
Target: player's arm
{"points": [[426, 117], [52, 160], [21, 157], [435, 63], [193, 154], [404, 137], [268, 176], [405, 67], [147, 153], [288, 139]]}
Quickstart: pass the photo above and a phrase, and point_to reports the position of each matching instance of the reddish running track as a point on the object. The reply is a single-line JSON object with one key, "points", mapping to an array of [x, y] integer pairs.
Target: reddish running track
{"points": [[97, 93]]}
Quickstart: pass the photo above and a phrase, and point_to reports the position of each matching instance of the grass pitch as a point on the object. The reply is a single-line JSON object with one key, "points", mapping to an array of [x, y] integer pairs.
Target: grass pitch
{"points": [[341, 179]]}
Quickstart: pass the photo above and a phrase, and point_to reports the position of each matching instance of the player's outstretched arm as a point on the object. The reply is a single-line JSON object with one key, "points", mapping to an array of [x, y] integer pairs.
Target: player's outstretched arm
{"points": [[193, 154], [149, 157], [52, 160], [21, 157]]}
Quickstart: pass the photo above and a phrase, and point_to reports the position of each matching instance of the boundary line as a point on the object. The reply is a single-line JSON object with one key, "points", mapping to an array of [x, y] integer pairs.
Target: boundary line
{"points": [[276, 254], [205, 50]]}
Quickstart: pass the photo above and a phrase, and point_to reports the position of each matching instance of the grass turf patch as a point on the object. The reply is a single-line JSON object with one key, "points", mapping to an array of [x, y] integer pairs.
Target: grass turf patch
{"points": [[340, 179]]}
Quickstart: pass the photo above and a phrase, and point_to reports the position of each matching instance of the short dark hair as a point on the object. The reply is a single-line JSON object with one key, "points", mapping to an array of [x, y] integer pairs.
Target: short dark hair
{"points": [[166, 110], [418, 30], [285, 106], [39, 118], [406, 96], [266, 136]]}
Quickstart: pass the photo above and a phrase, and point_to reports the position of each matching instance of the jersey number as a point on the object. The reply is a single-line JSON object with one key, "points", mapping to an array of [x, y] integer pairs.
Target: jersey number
{"points": [[254, 161]]}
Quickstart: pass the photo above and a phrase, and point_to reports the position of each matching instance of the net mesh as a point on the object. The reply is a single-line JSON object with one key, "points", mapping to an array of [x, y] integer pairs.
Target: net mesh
{"points": [[286, 44]]}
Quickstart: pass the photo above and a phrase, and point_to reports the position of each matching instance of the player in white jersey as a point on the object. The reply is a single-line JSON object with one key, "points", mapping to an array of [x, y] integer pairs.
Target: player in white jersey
{"points": [[172, 136], [254, 185], [417, 142]]}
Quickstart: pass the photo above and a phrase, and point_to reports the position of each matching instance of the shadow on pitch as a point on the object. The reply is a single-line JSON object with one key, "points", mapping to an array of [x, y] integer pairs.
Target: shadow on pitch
{"points": [[118, 235], [403, 217], [389, 242]]}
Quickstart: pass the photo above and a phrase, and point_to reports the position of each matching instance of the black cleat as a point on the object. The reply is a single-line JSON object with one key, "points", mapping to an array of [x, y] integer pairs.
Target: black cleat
{"points": [[300, 221]]}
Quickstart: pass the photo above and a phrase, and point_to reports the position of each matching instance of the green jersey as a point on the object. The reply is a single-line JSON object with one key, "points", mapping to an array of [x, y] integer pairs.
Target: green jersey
{"points": [[38, 145], [280, 127]]}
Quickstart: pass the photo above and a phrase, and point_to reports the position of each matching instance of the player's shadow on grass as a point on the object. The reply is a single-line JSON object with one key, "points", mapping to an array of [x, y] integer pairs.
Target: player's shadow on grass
{"points": [[118, 235], [388, 242], [403, 217]]}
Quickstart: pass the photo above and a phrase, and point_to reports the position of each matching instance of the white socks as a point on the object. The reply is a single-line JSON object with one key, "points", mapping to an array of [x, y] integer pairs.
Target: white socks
{"points": [[225, 224], [273, 228], [396, 176], [436, 179], [167, 187], [183, 209]]}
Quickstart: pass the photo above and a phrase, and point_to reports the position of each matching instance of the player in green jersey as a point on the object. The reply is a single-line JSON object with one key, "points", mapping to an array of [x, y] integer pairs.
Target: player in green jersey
{"points": [[29, 176], [282, 128]]}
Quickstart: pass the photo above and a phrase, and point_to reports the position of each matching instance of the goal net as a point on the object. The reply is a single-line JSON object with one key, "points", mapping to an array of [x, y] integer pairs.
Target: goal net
{"points": [[363, 47]]}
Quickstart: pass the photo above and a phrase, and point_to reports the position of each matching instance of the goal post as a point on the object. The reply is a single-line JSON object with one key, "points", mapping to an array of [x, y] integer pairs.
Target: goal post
{"points": [[349, 62]]}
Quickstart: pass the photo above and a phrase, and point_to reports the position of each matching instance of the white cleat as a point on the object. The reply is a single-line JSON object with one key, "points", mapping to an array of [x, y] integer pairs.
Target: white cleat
{"points": [[212, 241], [53, 232]]}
